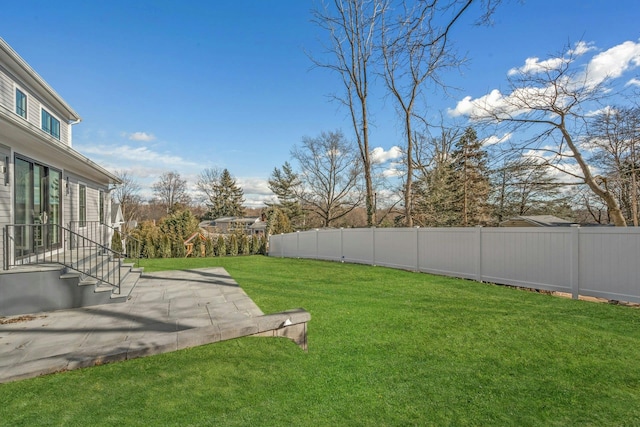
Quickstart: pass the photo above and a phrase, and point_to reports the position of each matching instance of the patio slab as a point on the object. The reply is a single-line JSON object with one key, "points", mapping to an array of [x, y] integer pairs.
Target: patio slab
{"points": [[167, 311]]}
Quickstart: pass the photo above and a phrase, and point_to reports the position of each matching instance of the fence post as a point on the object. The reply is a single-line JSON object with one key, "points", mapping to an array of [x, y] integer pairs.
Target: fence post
{"points": [[341, 244], [298, 244], [479, 253], [574, 270], [373, 239], [417, 248]]}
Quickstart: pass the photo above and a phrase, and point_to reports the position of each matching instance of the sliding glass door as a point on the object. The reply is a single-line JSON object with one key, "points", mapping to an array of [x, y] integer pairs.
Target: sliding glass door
{"points": [[37, 207]]}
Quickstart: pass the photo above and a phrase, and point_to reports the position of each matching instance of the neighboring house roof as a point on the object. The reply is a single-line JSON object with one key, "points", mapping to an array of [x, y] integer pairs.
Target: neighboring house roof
{"points": [[224, 223], [116, 214], [259, 225], [536, 221], [235, 219]]}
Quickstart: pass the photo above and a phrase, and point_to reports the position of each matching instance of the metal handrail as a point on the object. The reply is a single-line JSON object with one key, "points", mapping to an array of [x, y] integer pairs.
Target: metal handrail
{"points": [[93, 230], [33, 244], [131, 245]]}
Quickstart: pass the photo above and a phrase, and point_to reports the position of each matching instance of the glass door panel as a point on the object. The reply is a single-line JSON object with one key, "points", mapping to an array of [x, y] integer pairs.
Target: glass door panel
{"points": [[23, 203], [39, 200], [55, 178], [37, 206]]}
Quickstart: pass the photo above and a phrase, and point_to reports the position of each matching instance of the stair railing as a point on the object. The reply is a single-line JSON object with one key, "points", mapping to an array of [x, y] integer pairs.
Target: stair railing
{"points": [[34, 244], [132, 246]]}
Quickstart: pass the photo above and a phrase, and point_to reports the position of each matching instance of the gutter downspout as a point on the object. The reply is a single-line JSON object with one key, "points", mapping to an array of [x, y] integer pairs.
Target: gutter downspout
{"points": [[71, 123]]}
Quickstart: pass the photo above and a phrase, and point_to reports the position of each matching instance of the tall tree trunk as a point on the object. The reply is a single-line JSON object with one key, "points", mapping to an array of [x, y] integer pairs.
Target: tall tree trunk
{"points": [[612, 204]]}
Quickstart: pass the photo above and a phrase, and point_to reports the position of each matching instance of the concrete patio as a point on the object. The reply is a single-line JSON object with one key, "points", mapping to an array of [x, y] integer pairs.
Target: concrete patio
{"points": [[166, 311]]}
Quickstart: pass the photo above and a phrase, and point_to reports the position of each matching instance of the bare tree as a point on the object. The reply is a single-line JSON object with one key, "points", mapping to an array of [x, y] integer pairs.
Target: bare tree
{"points": [[171, 189], [552, 99], [127, 196], [524, 186], [414, 49], [208, 182], [329, 172], [352, 27], [616, 135]]}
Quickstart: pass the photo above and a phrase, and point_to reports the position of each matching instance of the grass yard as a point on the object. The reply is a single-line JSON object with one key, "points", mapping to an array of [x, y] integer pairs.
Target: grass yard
{"points": [[386, 347]]}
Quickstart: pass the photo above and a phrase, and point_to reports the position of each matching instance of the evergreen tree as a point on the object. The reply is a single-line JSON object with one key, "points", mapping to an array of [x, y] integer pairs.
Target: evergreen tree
{"points": [[473, 183], [286, 185], [277, 221], [226, 199], [116, 241], [434, 197]]}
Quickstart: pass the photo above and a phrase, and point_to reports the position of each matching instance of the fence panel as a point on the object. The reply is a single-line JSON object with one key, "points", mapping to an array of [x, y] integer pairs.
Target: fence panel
{"points": [[610, 263], [307, 244], [396, 248], [329, 244], [358, 245], [601, 262], [448, 251], [538, 258]]}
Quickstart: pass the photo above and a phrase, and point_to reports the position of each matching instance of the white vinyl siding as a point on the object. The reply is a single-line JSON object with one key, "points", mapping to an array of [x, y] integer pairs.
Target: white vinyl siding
{"points": [[93, 204], [8, 87]]}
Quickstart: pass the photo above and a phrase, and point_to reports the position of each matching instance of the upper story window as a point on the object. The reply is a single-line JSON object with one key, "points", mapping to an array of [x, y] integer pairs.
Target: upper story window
{"points": [[50, 124], [21, 104]]}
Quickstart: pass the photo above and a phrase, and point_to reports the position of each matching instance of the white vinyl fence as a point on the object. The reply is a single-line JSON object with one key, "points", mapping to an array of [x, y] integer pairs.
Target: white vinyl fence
{"points": [[593, 261]]}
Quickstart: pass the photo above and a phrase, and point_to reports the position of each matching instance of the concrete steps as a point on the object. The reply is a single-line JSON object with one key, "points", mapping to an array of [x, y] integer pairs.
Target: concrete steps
{"points": [[103, 265]]}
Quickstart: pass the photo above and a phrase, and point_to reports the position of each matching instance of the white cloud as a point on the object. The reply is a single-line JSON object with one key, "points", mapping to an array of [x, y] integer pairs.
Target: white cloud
{"points": [[495, 139], [379, 155], [534, 66], [581, 48], [393, 171], [254, 186], [633, 82], [602, 111], [496, 103], [136, 154], [141, 136], [610, 64]]}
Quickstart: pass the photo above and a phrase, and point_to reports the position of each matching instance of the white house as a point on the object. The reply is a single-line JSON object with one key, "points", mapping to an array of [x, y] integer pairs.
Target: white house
{"points": [[46, 187], [43, 179]]}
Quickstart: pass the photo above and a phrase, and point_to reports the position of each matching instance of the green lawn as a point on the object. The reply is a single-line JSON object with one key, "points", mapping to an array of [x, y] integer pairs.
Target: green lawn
{"points": [[386, 347]]}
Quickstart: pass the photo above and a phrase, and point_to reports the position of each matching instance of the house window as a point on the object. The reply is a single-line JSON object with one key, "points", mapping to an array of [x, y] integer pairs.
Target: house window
{"points": [[101, 201], [21, 104], [82, 205], [50, 124]]}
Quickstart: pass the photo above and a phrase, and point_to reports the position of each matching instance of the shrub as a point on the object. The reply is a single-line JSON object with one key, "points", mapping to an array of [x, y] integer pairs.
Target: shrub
{"points": [[233, 245], [245, 246], [210, 247], [222, 246], [116, 241]]}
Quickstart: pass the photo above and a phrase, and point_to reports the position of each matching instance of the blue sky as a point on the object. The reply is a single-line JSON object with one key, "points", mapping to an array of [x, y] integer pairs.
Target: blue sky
{"points": [[189, 85]]}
